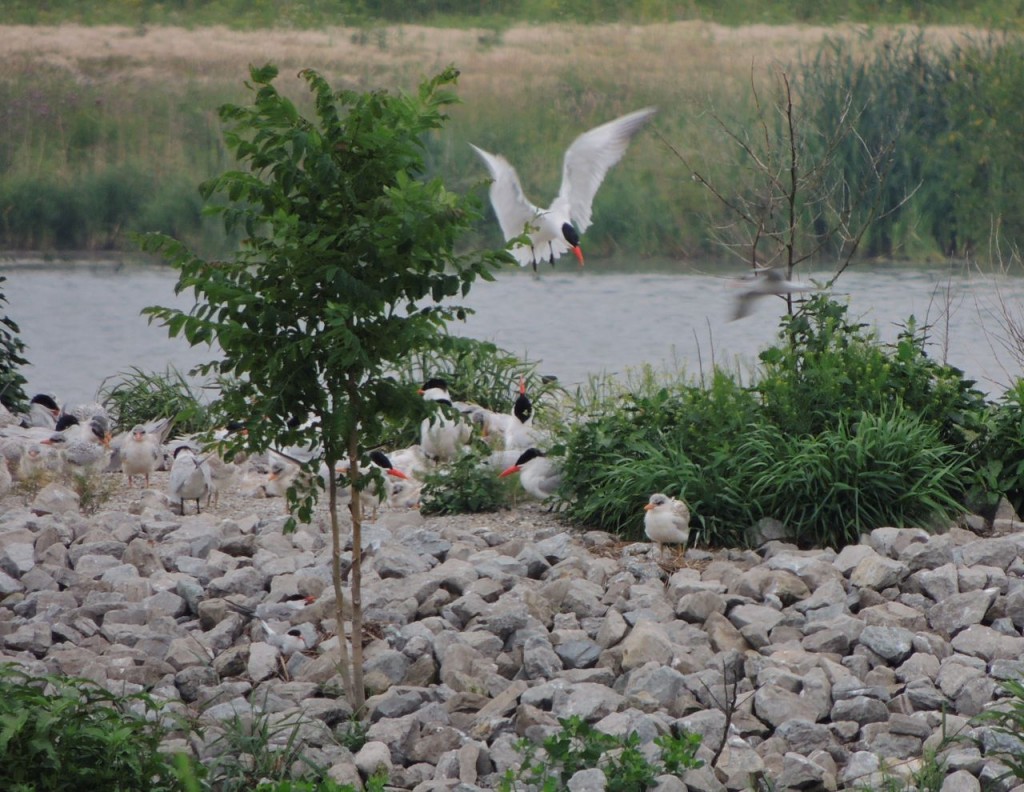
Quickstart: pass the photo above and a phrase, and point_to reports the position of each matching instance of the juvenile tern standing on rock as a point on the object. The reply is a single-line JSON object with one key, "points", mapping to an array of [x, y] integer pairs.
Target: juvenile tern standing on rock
{"points": [[666, 521], [140, 453], [556, 230]]}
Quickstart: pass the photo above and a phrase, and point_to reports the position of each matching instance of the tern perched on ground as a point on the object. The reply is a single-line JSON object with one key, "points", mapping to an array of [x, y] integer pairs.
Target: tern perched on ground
{"points": [[556, 230], [765, 281], [140, 451], [443, 437], [666, 521], [42, 411], [538, 475], [189, 478]]}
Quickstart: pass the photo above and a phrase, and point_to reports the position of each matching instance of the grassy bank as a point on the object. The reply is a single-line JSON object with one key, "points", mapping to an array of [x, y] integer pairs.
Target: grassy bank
{"points": [[109, 129]]}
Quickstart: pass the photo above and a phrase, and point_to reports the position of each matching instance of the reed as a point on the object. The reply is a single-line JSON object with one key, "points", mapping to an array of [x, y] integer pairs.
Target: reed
{"points": [[110, 129]]}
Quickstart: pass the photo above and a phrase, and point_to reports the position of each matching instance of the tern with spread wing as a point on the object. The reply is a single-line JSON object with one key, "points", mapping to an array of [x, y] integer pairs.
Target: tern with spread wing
{"points": [[763, 282], [556, 230]]}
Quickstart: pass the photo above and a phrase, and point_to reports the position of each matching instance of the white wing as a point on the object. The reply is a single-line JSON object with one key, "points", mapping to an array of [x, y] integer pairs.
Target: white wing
{"points": [[589, 158], [512, 208]]}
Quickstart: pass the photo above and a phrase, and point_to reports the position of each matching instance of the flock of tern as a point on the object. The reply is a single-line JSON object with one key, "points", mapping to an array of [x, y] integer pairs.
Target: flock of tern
{"points": [[56, 443]]}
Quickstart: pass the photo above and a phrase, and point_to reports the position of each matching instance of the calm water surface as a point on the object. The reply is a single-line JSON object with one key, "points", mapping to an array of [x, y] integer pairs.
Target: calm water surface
{"points": [[82, 323]]}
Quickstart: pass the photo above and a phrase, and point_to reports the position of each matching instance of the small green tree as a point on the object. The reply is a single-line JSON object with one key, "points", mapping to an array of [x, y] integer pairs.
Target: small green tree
{"points": [[12, 395], [347, 258]]}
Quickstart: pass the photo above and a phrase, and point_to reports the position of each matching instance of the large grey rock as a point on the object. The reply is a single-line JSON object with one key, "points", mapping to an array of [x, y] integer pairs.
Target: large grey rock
{"points": [[894, 644], [876, 572], [957, 611]]}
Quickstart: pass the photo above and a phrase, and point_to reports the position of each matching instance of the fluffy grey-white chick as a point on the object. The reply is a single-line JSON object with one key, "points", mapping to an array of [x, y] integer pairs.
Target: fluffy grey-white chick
{"points": [[666, 521], [140, 454]]}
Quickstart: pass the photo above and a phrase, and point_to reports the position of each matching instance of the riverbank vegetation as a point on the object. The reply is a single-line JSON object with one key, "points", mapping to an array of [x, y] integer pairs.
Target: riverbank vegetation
{"points": [[316, 13], [110, 130]]}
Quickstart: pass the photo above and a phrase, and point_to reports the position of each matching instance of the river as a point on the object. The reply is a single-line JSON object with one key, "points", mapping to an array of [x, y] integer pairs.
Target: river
{"points": [[82, 323]]}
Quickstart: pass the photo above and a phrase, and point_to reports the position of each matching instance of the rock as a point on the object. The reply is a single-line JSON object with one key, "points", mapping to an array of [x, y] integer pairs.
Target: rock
{"points": [[55, 499], [592, 780], [894, 644], [957, 611], [481, 630], [877, 573], [373, 758]]}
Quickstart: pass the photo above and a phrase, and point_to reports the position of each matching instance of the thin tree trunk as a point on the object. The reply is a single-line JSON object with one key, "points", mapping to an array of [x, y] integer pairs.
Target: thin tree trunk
{"points": [[356, 579], [339, 593]]}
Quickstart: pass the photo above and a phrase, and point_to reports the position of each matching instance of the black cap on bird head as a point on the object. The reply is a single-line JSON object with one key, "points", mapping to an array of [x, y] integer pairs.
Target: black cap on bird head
{"points": [[380, 459], [573, 238], [528, 454], [523, 408], [435, 382], [64, 422], [46, 400]]}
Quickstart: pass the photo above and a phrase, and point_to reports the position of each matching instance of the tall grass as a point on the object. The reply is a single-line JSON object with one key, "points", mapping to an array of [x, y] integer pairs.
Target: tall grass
{"points": [[958, 169]]}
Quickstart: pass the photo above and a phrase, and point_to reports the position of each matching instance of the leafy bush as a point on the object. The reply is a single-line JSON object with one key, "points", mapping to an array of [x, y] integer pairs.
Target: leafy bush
{"points": [[868, 470], [465, 486], [839, 434], [579, 746], [678, 439], [68, 734], [824, 366], [12, 395], [999, 462]]}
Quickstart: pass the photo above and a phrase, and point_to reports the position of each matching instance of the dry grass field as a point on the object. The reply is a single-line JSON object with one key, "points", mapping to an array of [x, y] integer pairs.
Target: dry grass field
{"points": [[690, 57]]}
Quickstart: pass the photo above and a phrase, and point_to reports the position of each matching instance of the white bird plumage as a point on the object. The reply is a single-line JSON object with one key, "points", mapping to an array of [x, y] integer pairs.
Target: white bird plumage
{"points": [[555, 230], [666, 521], [189, 478], [140, 453], [442, 437], [538, 475]]}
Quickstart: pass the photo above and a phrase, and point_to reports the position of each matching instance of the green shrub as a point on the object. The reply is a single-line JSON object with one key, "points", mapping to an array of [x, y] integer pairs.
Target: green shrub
{"points": [[677, 438], [824, 365], [12, 348], [867, 471], [71, 734], [579, 746], [999, 459], [839, 434], [465, 486]]}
